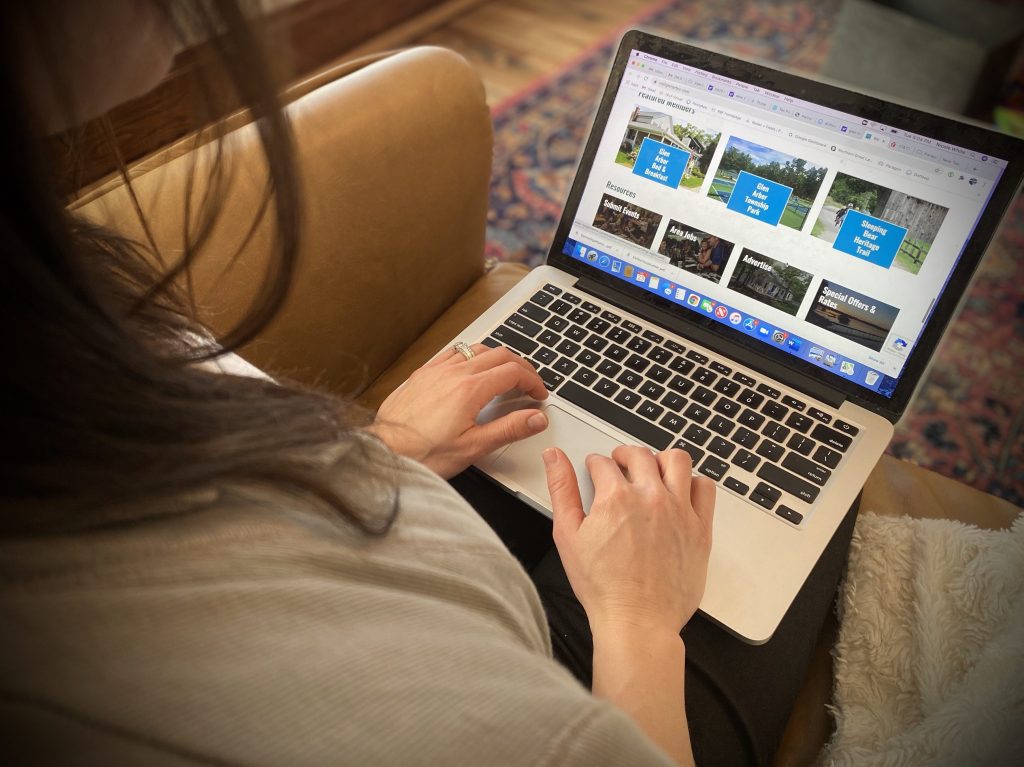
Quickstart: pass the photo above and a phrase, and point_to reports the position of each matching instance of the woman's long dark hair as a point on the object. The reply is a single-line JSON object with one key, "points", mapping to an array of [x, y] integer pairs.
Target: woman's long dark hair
{"points": [[102, 401]]}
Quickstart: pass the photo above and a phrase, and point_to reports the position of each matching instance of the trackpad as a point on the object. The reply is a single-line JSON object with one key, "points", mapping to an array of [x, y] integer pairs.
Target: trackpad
{"points": [[522, 462]]}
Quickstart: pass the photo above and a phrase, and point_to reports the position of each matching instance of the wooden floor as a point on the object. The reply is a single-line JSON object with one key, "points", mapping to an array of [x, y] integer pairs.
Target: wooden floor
{"points": [[511, 43]]}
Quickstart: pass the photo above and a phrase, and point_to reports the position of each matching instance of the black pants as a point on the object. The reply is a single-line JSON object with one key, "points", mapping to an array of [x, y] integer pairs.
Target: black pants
{"points": [[738, 696]]}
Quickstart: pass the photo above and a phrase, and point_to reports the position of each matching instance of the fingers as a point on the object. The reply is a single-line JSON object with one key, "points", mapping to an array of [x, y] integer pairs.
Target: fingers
{"points": [[639, 462], [676, 471], [512, 427], [702, 498], [512, 374], [563, 487]]}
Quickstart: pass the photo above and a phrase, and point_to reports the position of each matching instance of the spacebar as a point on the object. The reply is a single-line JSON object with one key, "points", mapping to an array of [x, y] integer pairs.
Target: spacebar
{"points": [[641, 428]]}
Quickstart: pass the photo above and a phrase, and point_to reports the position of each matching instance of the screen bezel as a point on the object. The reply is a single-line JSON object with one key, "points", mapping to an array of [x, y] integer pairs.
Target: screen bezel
{"points": [[863, 106]]}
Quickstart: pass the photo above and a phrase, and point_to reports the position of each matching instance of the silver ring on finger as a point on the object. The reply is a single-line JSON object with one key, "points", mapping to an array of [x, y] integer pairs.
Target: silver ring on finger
{"points": [[463, 348]]}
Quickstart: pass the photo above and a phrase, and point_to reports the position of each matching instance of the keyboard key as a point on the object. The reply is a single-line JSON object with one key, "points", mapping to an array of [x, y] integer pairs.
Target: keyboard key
{"points": [[616, 353], [608, 368], [704, 395], [704, 376], [697, 357], [575, 332], [751, 419], [553, 290], [776, 431], [800, 444], [651, 389], [743, 378], [770, 391], [846, 428], [696, 434], [610, 316], [565, 365], [514, 340], [598, 325], [637, 363], [585, 376], [523, 325], [619, 335], [632, 327], [792, 484], [560, 307], [572, 298], [821, 415], [590, 307], [630, 379], [806, 469], [534, 312], [550, 378], [721, 447], [788, 514], [659, 374], [726, 387], [695, 452], [831, 437], [681, 365], [763, 500], [627, 398], [735, 485], [751, 398], [718, 367], [697, 413], [675, 346], [492, 342], [828, 457], [568, 348], [793, 402], [721, 425], [606, 388], [746, 437], [579, 316], [727, 407], [673, 422], [650, 410], [775, 410], [542, 298], [746, 460], [632, 424], [680, 384], [673, 402], [660, 354], [588, 358], [799, 422], [650, 335], [596, 343], [770, 450], [714, 468], [639, 345], [545, 356], [548, 338], [557, 324]]}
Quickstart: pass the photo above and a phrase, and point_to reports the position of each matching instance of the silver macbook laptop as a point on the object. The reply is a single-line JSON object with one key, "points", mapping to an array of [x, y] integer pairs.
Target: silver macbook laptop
{"points": [[755, 268]]}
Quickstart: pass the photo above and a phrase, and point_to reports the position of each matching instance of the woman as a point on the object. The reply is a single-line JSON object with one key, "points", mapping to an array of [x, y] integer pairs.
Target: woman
{"points": [[205, 567]]}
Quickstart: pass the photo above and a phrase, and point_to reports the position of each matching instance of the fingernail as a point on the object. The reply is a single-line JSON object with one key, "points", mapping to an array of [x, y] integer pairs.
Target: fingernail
{"points": [[537, 422], [549, 456]]}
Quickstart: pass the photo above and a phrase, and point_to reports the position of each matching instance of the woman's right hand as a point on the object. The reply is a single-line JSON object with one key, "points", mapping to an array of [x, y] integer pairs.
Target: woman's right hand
{"points": [[639, 560]]}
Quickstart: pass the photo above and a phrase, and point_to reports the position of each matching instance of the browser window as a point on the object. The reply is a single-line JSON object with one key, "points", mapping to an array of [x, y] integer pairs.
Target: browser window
{"points": [[820, 233]]}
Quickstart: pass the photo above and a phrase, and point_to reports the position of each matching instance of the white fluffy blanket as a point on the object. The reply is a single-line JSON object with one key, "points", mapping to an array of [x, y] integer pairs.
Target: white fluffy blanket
{"points": [[930, 657]]}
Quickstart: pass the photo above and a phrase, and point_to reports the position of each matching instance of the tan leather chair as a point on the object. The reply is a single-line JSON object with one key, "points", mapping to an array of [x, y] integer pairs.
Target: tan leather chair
{"points": [[394, 153]]}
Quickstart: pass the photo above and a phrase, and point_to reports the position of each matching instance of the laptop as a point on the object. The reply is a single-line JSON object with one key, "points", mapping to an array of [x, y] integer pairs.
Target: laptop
{"points": [[756, 268]]}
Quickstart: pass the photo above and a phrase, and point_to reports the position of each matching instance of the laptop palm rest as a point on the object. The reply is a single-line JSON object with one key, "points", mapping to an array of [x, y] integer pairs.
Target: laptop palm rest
{"points": [[521, 468]]}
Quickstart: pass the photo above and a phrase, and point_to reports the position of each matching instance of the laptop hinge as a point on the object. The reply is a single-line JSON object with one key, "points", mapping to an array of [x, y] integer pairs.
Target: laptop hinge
{"points": [[759, 362]]}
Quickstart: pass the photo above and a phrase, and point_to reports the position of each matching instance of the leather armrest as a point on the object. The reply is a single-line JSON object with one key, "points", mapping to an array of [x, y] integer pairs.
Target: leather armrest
{"points": [[394, 160]]}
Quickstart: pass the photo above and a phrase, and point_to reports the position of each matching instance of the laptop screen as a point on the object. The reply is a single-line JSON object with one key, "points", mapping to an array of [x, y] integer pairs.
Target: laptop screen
{"points": [[824, 235]]}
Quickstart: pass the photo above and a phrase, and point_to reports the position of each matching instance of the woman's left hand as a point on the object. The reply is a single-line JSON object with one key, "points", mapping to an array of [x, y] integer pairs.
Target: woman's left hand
{"points": [[432, 416]]}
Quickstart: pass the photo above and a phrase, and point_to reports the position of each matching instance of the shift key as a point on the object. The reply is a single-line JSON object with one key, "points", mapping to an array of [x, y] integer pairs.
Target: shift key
{"points": [[515, 340]]}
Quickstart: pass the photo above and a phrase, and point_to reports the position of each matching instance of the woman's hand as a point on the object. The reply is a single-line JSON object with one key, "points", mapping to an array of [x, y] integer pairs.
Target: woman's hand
{"points": [[639, 560], [432, 416]]}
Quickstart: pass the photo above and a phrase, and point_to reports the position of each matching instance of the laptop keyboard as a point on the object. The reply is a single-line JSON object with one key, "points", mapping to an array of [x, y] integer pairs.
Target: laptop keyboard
{"points": [[773, 448]]}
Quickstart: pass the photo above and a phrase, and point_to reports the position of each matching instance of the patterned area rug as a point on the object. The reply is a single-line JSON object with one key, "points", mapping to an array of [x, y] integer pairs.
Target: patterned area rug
{"points": [[966, 422]]}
